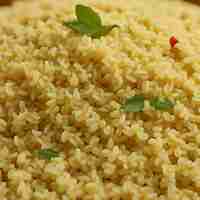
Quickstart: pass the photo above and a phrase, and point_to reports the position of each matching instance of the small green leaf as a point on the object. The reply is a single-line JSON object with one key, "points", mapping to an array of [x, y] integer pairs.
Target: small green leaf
{"points": [[89, 23], [47, 154], [134, 104], [88, 16], [80, 27], [161, 104]]}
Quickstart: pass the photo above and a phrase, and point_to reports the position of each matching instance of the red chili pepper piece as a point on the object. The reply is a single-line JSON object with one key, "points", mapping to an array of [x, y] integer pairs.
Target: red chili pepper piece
{"points": [[173, 41]]}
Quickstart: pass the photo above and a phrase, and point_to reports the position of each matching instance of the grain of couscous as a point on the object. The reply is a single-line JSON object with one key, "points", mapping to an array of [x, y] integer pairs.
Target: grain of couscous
{"points": [[64, 134]]}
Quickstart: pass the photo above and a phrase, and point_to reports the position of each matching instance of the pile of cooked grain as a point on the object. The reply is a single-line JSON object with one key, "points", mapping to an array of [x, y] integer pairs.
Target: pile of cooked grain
{"points": [[63, 91]]}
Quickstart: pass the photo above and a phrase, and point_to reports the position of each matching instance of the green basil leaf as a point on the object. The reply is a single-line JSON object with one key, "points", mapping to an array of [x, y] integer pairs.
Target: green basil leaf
{"points": [[83, 29], [47, 154], [134, 104], [88, 23], [88, 16], [161, 104]]}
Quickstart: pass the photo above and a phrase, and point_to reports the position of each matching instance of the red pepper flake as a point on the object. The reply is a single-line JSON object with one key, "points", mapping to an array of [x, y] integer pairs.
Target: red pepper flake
{"points": [[173, 41]]}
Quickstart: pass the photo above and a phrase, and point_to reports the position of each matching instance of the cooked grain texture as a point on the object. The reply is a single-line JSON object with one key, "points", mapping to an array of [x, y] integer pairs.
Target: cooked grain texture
{"points": [[63, 91]]}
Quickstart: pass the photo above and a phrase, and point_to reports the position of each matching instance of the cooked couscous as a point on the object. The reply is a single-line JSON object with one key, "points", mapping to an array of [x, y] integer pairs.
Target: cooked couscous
{"points": [[110, 118]]}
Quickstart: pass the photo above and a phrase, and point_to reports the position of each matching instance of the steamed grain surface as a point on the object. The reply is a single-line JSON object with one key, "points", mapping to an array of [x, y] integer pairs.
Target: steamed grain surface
{"points": [[63, 91]]}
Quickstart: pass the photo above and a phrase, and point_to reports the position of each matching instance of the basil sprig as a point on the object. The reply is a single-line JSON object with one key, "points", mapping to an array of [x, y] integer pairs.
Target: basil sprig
{"points": [[161, 103], [89, 23], [47, 154], [136, 104]]}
